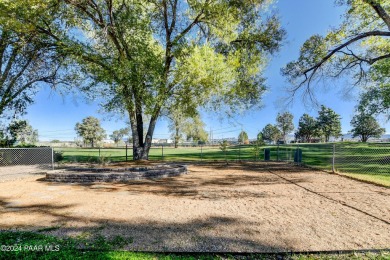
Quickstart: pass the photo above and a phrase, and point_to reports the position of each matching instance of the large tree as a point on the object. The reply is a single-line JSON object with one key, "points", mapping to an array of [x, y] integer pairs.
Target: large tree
{"points": [[19, 131], [365, 126], [243, 137], [328, 122], [117, 135], [147, 55], [271, 133], [375, 101], [307, 128], [186, 126], [176, 120], [359, 47], [90, 130], [285, 124], [194, 129]]}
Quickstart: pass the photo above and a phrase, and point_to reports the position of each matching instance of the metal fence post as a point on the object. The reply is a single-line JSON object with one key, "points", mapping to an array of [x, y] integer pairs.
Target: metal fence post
{"points": [[201, 152], [126, 152], [239, 152], [277, 153], [52, 158], [162, 152], [333, 157]]}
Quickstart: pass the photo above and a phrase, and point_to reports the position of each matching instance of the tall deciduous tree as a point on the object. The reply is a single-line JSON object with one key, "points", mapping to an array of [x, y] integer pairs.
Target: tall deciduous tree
{"points": [[271, 133], [329, 123], [307, 128], [360, 45], [243, 137], [365, 126], [194, 129], [176, 120], [224, 145], [90, 130], [118, 135], [375, 101], [257, 145], [20, 131], [185, 126], [147, 55], [285, 124]]}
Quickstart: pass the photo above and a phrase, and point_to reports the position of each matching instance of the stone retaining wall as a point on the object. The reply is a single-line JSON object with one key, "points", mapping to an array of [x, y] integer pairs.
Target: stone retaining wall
{"points": [[115, 174]]}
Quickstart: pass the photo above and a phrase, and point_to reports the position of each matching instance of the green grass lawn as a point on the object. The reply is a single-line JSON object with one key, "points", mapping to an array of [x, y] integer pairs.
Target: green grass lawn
{"points": [[35, 245], [369, 162]]}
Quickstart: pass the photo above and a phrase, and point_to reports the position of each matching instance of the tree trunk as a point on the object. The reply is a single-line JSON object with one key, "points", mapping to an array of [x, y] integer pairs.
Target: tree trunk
{"points": [[327, 138], [177, 136], [141, 146]]}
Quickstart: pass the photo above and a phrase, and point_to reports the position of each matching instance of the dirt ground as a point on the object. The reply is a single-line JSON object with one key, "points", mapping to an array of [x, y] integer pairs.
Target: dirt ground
{"points": [[263, 207], [11, 173]]}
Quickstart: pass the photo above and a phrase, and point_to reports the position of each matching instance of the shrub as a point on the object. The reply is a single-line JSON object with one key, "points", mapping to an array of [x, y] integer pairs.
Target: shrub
{"points": [[58, 156]]}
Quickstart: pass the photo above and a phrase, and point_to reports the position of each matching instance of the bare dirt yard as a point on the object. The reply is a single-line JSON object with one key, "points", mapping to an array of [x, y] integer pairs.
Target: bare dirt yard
{"points": [[249, 207], [12, 173]]}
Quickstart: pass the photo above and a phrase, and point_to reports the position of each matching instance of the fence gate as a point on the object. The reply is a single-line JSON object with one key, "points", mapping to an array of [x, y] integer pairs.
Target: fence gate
{"points": [[26, 156]]}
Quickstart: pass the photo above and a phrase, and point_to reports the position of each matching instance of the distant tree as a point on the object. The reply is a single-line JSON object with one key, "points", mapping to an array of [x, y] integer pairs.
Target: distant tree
{"points": [[257, 145], [243, 137], [55, 141], [224, 147], [176, 119], [271, 133], [365, 126], [118, 135], [90, 130], [375, 100], [329, 123], [260, 139], [194, 129], [21, 131], [3, 139], [307, 128], [285, 124]]}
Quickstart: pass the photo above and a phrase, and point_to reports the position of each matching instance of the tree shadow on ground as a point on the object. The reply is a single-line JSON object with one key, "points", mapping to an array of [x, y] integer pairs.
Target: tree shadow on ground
{"points": [[209, 234]]}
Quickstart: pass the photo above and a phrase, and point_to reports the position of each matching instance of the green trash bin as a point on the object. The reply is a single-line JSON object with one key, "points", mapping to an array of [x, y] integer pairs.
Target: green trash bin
{"points": [[267, 154], [298, 156]]}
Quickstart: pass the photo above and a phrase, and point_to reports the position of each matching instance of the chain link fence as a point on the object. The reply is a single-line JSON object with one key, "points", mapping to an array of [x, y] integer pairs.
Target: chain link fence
{"points": [[365, 158], [362, 159], [359, 158], [42, 156]]}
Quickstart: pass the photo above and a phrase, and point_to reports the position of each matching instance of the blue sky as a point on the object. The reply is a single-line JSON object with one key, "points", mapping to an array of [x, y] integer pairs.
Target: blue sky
{"points": [[55, 116]]}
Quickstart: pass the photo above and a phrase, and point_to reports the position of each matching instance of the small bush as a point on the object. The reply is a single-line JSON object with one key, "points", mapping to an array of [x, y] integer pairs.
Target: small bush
{"points": [[58, 156], [103, 160]]}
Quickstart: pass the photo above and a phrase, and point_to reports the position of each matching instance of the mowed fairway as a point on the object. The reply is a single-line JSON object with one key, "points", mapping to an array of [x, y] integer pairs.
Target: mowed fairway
{"points": [[249, 207]]}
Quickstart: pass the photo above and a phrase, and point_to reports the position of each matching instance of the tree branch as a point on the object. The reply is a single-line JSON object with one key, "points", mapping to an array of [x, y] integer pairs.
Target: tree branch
{"points": [[380, 11], [188, 28], [338, 48]]}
